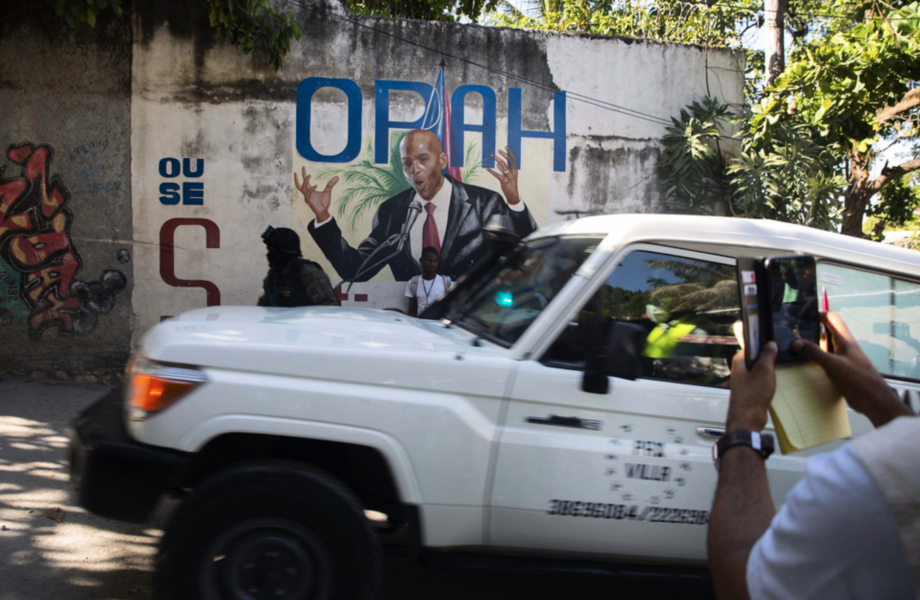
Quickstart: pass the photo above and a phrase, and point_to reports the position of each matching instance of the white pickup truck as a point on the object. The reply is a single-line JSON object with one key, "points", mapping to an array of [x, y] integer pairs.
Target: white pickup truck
{"points": [[563, 406]]}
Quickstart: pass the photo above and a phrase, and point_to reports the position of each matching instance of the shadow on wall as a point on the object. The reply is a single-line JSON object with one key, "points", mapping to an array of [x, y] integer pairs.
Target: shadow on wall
{"points": [[50, 547], [40, 261]]}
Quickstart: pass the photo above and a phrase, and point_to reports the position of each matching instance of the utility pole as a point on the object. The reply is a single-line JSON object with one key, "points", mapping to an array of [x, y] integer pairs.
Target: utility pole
{"points": [[775, 53]]}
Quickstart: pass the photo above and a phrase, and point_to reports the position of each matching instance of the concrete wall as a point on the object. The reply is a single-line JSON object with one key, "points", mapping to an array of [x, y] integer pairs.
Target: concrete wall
{"points": [[65, 193], [215, 140]]}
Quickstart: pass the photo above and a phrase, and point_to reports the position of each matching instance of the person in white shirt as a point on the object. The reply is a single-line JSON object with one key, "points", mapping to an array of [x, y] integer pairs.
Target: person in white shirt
{"points": [[424, 289], [851, 527]]}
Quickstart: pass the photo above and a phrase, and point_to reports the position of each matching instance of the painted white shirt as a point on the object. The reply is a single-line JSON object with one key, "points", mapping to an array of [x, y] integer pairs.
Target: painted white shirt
{"points": [[427, 291], [442, 201], [835, 537]]}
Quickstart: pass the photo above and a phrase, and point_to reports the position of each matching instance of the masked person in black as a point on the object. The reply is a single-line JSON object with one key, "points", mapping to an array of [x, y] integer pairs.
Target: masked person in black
{"points": [[291, 280]]}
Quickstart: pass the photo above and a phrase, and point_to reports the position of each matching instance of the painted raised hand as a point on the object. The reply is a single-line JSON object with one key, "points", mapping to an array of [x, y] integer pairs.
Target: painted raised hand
{"points": [[318, 202], [507, 175]]}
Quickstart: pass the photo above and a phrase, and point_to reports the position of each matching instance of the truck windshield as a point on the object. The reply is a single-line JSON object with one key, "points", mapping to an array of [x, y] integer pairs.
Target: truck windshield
{"points": [[516, 290]]}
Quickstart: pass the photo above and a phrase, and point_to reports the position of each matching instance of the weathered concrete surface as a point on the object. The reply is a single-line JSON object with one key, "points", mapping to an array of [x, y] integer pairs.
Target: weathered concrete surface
{"points": [[84, 556], [69, 90], [195, 97], [155, 99]]}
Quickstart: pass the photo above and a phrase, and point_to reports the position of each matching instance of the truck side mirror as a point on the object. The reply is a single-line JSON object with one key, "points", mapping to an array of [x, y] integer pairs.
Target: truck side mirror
{"points": [[624, 350], [621, 357]]}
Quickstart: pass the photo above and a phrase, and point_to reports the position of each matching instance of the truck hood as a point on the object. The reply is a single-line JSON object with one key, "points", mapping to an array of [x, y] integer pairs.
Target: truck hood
{"points": [[306, 341]]}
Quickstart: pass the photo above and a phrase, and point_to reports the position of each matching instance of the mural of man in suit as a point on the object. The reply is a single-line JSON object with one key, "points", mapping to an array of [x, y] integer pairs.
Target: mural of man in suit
{"points": [[435, 211]]}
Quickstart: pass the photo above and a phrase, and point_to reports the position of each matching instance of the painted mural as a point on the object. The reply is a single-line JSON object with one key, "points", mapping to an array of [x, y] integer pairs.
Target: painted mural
{"points": [[412, 186], [39, 289], [371, 151]]}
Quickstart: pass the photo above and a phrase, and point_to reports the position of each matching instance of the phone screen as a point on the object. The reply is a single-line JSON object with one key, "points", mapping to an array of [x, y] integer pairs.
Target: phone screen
{"points": [[750, 272], [793, 302]]}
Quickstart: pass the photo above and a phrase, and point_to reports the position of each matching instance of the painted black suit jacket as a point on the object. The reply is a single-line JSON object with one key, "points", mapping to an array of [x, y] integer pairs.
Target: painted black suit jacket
{"points": [[470, 209]]}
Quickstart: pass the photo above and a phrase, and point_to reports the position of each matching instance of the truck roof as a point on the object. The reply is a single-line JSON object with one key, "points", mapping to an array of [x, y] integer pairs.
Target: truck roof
{"points": [[734, 236]]}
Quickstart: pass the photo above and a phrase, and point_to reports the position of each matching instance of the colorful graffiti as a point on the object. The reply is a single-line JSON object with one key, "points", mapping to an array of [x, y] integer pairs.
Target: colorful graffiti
{"points": [[36, 244]]}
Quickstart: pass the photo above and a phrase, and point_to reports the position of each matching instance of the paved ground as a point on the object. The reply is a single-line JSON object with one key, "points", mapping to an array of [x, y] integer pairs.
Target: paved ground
{"points": [[50, 549]]}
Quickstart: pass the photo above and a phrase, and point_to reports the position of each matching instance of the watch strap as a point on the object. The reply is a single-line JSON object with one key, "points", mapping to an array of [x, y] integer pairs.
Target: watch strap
{"points": [[761, 442]]}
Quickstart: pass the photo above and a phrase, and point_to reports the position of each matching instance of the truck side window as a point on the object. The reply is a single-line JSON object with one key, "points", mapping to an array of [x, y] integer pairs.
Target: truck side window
{"points": [[686, 306], [882, 313]]}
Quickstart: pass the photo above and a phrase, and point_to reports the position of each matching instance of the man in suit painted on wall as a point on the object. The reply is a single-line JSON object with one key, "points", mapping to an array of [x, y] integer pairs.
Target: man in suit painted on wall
{"points": [[435, 211]]}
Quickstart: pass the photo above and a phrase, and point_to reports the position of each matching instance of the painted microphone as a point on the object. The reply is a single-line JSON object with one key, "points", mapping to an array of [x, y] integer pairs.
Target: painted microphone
{"points": [[415, 207]]}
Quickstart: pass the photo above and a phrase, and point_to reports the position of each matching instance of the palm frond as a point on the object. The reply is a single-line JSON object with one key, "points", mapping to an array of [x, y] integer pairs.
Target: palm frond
{"points": [[472, 163], [369, 185]]}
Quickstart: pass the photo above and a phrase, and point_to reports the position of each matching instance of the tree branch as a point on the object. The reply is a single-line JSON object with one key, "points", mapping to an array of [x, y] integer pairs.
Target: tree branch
{"points": [[910, 100], [893, 173]]}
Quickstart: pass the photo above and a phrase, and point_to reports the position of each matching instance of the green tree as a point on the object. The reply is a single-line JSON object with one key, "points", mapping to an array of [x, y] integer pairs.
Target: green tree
{"points": [[792, 177], [427, 10], [851, 86], [809, 140], [706, 23], [693, 164], [250, 24]]}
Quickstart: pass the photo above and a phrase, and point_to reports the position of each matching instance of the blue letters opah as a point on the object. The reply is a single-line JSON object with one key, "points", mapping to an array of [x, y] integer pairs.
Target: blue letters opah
{"points": [[460, 126], [516, 132], [383, 124], [305, 92]]}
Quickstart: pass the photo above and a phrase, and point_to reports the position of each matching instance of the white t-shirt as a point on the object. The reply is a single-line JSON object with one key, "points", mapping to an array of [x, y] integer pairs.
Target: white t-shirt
{"points": [[835, 537], [427, 291]]}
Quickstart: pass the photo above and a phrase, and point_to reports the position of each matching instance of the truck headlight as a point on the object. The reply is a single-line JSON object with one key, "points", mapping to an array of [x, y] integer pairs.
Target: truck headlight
{"points": [[153, 386]]}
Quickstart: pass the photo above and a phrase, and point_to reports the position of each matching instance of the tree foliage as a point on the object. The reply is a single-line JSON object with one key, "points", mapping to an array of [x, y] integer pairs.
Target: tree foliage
{"points": [[254, 27], [77, 12], [708, 23], [851, 87], [428, 10], [250, 24], [809, 141], [693, 163], [792, 178]]}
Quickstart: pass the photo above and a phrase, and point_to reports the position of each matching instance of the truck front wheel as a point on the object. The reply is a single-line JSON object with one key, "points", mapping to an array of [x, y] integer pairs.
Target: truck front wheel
{"points": [[273, 530]]}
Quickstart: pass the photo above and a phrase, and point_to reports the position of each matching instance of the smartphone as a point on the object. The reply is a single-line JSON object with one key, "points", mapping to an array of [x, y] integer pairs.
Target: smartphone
{"points": [[750, 274], [779, 302]]}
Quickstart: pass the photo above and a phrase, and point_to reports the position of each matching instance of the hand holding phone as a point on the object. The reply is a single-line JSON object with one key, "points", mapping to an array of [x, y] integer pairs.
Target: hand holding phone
{"points": [[779, 302]]}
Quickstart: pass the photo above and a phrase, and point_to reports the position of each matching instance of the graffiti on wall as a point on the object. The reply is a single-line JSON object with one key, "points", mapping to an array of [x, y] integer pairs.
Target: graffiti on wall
{"points": [[41, 261], [422, 198]]}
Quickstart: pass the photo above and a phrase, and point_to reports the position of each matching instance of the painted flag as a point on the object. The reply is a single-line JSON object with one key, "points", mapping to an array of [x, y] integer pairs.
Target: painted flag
{"points": [[437, 120]]}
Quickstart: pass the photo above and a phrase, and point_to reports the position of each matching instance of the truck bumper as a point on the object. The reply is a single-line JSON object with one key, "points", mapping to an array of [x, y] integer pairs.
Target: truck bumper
{"points": [[112, 475]]}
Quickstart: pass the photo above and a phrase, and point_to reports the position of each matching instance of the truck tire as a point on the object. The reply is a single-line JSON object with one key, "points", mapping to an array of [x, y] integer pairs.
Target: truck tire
{"points": [[269, 530]]}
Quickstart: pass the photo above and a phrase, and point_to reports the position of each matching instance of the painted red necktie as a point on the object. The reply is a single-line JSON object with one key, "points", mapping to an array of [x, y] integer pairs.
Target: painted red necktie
{"points": [[430, 230]]}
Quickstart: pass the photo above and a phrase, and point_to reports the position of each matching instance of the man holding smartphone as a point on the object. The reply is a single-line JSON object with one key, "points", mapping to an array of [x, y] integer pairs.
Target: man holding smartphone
{"points": [[851, 527]]}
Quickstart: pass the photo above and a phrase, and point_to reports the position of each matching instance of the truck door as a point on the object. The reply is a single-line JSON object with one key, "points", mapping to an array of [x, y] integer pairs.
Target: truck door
{"points": [[627, 473]]}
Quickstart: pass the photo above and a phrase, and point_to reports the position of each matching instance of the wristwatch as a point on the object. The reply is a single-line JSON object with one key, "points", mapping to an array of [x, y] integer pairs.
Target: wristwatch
{"points": [[762, 442]]}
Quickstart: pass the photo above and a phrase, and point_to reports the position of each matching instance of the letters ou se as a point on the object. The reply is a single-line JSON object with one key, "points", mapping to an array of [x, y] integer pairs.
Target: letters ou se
{"points": [[191, 193], [383, 124]]}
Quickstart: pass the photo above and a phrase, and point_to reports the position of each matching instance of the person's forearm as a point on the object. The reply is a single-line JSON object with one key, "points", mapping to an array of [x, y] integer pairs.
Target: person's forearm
{"points": [[888, 408], [741, 513]]}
